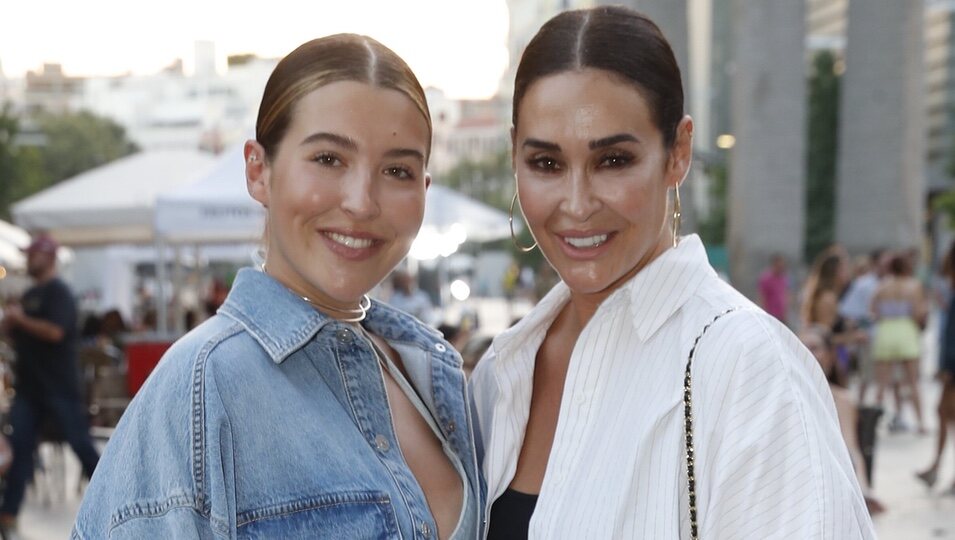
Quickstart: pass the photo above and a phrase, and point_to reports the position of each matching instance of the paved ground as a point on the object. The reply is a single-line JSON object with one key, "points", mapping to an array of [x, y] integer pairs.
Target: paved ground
{"points": [[914, 513]]}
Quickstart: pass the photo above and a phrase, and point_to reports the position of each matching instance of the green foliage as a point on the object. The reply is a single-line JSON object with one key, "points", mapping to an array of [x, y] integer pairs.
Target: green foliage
{"points": [[489, 180], [72, 143], [945, 203], [712, 229], [822, 152]]}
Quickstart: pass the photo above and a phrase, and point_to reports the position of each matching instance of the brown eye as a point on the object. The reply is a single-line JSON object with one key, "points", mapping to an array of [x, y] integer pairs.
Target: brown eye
{"points": [[546, 164], [328, 160]]}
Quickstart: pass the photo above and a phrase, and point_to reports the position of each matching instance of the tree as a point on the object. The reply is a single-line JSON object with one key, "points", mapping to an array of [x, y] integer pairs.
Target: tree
{"points": [[72, 143], [489, 180], [822, 152], [713, 227]]}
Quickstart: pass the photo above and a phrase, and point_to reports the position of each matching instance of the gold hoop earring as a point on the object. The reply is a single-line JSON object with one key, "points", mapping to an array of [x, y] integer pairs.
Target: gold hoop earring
{"points": [[677, 215], [510, 222]]}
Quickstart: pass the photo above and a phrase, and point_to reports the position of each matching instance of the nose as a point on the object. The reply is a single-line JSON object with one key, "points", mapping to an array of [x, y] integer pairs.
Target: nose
{"points": [[581, 202], [360, 195]]}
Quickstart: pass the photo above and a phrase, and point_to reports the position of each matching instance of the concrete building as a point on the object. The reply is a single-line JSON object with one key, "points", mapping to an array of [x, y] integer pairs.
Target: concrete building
{"points": [[768, 108], [881, 179]]}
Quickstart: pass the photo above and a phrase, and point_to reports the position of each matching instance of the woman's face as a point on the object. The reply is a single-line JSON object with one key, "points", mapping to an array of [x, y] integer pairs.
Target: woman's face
{"points": [[593, 175], [345, 190]]}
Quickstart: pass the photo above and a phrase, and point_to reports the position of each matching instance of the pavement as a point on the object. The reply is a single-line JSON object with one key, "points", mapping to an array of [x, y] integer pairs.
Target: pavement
{"points": [[914, 512]]}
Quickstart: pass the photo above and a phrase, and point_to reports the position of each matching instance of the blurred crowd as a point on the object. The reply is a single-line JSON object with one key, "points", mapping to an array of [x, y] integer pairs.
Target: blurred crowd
{"points": [[864, 319]]}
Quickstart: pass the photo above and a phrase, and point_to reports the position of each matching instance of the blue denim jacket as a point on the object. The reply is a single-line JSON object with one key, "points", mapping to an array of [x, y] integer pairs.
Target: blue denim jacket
{"points": [[270, 420]]}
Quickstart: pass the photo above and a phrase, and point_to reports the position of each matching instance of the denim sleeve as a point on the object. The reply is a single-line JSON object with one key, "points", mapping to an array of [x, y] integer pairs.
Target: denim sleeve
{"points": [[153, 480]]}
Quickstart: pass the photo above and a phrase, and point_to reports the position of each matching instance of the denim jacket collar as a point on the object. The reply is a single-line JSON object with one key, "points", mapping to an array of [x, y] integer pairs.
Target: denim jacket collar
{"points": [[281, 322]]}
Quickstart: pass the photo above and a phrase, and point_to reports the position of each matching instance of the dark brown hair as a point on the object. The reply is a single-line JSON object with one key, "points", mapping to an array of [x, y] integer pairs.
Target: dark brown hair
{"points": [[314, 64], [615, 39]]}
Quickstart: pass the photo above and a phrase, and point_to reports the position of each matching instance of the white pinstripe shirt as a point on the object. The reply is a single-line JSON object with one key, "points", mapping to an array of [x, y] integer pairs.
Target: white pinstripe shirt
{"points": [[771, 462]]}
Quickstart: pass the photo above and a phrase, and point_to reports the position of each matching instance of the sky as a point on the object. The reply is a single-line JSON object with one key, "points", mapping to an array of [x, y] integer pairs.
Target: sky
{"points": [[456, 45]]}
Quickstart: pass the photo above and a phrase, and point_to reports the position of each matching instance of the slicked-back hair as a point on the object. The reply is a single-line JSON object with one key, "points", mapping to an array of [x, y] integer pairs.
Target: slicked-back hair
{"points": [[322, 61], [615, 39]]}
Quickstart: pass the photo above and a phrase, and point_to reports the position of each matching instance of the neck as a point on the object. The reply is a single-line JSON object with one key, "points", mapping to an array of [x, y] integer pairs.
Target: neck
{"points": [[344, 313]]}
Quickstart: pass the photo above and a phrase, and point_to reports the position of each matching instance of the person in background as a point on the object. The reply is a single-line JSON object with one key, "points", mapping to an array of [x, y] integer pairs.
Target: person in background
{"points": [[589, 424], [946, 375], [774, 288], [44, 330], [302, 408], [855, 309], [816, 339], [898, 307], [406, 296]]}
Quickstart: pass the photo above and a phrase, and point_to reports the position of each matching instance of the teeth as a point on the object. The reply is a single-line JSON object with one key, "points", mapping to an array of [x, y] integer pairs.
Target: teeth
{"points": [[590, 241], [350, 241]]}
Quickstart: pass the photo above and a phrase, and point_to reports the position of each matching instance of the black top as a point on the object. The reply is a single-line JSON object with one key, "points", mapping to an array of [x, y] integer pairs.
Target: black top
{"points": [[44, 368], [511, 516], [947, 358]]}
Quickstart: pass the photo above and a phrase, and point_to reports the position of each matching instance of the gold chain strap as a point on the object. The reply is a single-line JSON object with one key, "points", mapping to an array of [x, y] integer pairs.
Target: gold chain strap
{"points": [[688, 425]]}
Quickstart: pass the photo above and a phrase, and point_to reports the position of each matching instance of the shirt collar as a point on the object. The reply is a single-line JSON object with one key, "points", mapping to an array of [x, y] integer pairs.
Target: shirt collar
{"points": [[664, 285], [281, 322], [278, 319]]}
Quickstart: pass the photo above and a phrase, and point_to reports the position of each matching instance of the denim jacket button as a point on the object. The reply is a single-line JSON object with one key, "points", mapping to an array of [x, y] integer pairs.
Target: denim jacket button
{"points": [[425, 529], [381, 443], [344, 336], [440, 347], [451, 426]]}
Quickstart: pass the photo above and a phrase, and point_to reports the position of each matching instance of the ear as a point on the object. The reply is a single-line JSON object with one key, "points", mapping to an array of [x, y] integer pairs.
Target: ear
{"points": [[257, 172], [681, 154], [427, 181]]}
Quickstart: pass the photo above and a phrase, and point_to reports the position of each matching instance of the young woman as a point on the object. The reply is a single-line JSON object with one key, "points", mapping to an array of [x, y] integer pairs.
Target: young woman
{"points": [[586, 419], [303, 409], [898, 307]]}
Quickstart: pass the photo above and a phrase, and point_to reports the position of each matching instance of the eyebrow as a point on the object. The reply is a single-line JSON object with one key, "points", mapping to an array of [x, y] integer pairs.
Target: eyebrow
{"points": [[350, 144], [541, 145], [612, 140], [593, 145]]}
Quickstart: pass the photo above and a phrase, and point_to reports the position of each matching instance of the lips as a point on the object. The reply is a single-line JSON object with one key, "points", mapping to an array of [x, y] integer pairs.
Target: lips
{"points": [[351, 245], [586, 241], [350, 241]]}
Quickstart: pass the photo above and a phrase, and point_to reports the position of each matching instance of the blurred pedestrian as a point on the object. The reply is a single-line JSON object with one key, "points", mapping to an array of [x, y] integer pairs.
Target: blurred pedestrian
{"points": [[816, 339], [406, 296], [774, 288], [44, 329], [946, 375], [899, 310], [855, 307], [302, 408], [591, 420]]}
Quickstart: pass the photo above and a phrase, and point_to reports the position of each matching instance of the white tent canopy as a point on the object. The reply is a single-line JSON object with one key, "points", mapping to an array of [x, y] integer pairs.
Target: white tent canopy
{"points": [[113, 203], [13, 239], [214, 209], [446, 207]]}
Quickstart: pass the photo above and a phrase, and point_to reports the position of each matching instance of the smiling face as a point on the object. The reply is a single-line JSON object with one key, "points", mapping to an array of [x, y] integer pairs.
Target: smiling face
{"points": [[345, 190], [593, 174]]}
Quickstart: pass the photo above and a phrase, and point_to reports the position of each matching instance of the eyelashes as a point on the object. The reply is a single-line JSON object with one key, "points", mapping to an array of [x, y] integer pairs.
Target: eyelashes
{"points": [[611, 160]]}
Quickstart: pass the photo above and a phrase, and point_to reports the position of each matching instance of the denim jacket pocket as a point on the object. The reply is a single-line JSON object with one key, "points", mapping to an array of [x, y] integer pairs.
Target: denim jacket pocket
{"points": [[356, 514]]}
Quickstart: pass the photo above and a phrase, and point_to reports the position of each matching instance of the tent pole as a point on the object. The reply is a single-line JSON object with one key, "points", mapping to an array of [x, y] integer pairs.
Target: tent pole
{"points": [[161, 323]]}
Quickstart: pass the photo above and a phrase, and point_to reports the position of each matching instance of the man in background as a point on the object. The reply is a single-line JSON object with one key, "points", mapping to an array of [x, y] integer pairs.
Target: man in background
{"points": [[43, 329]]}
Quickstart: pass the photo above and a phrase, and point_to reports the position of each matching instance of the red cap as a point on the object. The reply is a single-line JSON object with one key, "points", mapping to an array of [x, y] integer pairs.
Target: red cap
{"points": [[42, 244]]}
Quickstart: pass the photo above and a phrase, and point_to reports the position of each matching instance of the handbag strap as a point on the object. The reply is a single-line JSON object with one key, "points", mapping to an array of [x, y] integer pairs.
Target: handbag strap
{"points": [[688, 424]]}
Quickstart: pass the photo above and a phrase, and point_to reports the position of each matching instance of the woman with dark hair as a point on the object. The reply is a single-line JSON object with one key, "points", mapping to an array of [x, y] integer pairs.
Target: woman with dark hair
{"points": [[302, 409], [594, 421], [898, 306], [946, 375]]}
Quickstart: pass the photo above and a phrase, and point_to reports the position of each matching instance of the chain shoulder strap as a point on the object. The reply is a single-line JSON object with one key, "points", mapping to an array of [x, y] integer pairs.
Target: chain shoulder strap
{"points": [[688, 424]]}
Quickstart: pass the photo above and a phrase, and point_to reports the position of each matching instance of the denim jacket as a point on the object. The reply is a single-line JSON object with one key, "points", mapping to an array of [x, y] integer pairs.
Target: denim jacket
{"points": [[271, 420]]}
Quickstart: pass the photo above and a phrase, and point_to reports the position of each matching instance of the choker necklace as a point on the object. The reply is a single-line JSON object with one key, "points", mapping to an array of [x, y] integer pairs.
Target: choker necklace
{"points": [[354, 314], [357, 314]]}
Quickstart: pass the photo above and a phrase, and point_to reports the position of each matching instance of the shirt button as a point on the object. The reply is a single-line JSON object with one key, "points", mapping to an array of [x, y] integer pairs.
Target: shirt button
{"points": [[580, 398], [425, 529], [343, 335], [440, 347], [381, 443]]}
